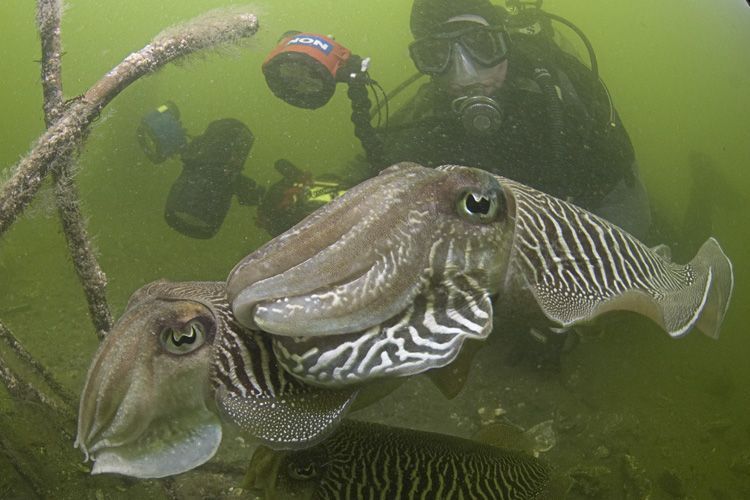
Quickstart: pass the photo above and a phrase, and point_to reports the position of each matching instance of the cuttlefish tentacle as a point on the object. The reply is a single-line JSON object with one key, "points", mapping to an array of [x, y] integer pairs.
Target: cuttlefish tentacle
{"points": [[173, 367], [338, 309], [430, 333], [332, 242]]}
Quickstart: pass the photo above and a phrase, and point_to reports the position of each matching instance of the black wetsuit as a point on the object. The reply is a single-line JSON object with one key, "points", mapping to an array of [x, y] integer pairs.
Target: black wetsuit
{"points": [[579, 151]]}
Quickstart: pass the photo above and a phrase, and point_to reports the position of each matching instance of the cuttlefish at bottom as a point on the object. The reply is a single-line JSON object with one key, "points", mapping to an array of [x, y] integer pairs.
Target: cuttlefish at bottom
{"points": [[366, 460], [174, 367], [392, 277]]}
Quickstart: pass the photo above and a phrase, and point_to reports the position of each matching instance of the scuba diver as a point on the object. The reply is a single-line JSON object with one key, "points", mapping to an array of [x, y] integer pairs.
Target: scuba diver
{"points": [[506, 98], [502, 96], [212, 164]]}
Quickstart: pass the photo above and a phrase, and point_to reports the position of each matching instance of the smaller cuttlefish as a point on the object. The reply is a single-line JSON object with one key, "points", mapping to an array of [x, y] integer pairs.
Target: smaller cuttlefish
{"points": [[173, 367], [365, 460]]}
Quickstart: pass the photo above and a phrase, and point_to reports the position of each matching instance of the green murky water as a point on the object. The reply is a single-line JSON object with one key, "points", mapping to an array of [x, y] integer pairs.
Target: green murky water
{"points": [[635, 410]]}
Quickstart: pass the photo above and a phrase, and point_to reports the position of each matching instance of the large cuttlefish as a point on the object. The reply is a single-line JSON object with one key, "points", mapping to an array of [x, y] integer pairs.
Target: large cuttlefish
{"points": [[391, 278]]}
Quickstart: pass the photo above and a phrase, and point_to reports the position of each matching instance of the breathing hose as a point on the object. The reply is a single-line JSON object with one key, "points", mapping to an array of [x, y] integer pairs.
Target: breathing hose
{"points": [[554, 109]]}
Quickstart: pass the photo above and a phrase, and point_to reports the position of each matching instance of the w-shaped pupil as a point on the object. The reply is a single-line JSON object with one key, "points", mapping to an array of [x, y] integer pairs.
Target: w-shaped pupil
{"points": [[477, 206], [183, 338], [302, 471]]}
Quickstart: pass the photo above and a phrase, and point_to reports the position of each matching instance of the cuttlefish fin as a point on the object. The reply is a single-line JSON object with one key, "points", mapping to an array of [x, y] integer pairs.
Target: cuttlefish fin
{"points": [[579, 266], [663, 251], [702, 302], [429, 333], [292, 422], [451, 379], [714, 263]]}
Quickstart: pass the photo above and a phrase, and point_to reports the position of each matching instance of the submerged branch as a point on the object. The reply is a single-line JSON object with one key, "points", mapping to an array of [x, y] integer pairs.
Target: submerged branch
{"points": [[48, 14], [66, 134], [9, 380], [54, 152], [20, 389], [92, 278], [26, 474]]}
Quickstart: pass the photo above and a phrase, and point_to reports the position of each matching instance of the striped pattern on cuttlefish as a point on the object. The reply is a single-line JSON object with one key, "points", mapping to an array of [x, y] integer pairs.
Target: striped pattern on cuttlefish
{"points": [[364, 460], [174, 367], [392, 277]]}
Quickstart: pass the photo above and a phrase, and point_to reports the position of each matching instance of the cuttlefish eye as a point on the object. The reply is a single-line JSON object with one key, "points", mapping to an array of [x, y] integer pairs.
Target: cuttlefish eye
{"points": [[479, 207], [302, 471], [185, 339]]}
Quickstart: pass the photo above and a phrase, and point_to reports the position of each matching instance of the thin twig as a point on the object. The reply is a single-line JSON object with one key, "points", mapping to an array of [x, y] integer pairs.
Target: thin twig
{"points": [[11, 341], [92, 278], [21, 389], [66, 134], [48, 13], [17, 462], [9, 380]]}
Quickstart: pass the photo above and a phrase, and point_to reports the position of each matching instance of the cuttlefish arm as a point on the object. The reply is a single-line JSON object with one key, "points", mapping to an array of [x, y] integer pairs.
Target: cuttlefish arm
{"points": [[578, 266], [429, 333], [173, 368]]}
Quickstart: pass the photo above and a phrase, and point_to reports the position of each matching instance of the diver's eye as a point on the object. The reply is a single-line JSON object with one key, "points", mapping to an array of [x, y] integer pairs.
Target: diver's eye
{"points": [[478, 206], [184, 340], [303, 471]]}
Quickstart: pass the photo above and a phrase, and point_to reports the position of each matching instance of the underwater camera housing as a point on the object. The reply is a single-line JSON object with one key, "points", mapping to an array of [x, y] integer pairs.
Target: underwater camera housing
{"points": [[212, 163], [303, 68]]}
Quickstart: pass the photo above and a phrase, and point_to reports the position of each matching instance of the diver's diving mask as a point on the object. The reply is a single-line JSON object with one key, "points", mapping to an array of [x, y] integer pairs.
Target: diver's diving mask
{"points": [[467, 61], [485, 45]]}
